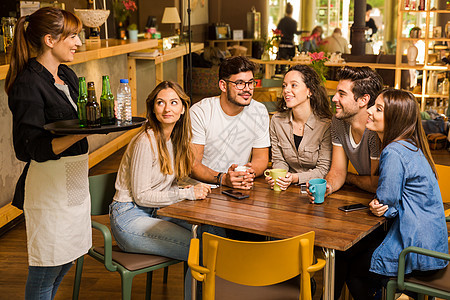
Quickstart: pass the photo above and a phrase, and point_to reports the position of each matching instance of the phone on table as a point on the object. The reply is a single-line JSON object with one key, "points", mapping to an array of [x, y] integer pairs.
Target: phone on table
{"points": [[303, 188], [353, 207], [235, 194]]}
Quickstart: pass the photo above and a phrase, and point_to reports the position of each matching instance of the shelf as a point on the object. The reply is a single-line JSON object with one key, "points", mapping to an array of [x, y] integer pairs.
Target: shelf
{"points": [[415, 16], [430, 96], [225, 44], [426, 11], [424, 39], [92, 51], [424, 67], [413, 11]]}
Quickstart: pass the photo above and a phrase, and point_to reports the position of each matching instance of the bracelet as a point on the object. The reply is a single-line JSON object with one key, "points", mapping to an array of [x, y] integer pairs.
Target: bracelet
{"points": [[219, 178]]}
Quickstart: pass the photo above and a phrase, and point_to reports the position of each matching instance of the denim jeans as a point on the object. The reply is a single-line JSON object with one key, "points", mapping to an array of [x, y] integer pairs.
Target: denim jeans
{"points": [[139, 229], [43, 282]]}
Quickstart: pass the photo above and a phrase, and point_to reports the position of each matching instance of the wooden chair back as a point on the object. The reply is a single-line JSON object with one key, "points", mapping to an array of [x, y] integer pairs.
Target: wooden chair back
{"points": [[255, 263]]}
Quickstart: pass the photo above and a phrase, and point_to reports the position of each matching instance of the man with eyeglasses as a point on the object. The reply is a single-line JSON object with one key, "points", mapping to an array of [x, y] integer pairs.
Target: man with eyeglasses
{"points": [[231, 130]]}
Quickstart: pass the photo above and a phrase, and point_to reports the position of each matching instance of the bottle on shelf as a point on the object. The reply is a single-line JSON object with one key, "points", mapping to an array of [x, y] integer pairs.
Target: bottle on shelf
{"points": [[93, 113], [432, 83], [421, 5], [107, 103], [445, 86], [123, 109], [82, 101]]}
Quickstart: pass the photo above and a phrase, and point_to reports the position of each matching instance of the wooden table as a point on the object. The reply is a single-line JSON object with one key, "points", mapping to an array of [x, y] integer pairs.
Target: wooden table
{"points": [[286, 214]]}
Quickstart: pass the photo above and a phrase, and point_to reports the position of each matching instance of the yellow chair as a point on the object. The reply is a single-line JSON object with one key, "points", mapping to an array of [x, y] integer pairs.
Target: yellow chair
{"points": [[444, 179], [254, 270]]}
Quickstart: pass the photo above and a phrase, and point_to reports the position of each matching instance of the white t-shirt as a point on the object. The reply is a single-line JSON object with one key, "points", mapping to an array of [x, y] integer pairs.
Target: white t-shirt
{"points": [[228, 139]]}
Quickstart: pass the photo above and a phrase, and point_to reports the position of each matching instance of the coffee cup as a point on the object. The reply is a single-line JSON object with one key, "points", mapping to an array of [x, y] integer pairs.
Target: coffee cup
{"points": [[318, 187], [241, 169], [275, 173]]}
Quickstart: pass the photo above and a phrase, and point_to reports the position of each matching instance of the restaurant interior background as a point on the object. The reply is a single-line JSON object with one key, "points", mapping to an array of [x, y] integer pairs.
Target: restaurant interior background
{"points": [[435, 32]]}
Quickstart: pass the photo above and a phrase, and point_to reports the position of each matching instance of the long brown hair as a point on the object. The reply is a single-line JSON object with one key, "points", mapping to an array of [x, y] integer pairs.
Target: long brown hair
{"points": [[181, 134], [319, 102], [402, 121], [28, 38]]}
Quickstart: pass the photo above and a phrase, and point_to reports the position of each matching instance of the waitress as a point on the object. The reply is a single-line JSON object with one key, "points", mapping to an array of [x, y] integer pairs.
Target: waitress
{"points": [[53, 188]]}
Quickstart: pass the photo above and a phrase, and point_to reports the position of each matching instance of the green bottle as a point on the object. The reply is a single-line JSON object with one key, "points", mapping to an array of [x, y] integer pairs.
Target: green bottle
{"points": [[107, 103], [93, 113], [82, 100]]}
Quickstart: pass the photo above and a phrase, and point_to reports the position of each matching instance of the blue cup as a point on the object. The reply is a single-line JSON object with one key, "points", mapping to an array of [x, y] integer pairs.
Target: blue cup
{"points": [[318, 187]]}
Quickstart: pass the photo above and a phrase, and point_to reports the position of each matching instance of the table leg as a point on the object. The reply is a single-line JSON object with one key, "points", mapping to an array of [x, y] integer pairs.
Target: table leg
{"points": [[194, 282], [267, 72], [180, 74], [159, 73], [133, 84], [328, 277]]}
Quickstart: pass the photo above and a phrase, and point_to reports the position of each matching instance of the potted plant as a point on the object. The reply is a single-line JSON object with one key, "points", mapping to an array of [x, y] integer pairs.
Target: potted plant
{"points": [[133, 32], [122, 11]]}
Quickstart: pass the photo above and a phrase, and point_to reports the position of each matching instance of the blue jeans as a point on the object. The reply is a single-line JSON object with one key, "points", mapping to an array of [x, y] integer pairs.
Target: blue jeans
{"points": [[43, 282], [139, 229]]}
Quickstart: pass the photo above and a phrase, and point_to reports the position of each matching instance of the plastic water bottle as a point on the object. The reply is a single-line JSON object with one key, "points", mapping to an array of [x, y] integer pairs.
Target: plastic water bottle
{"points": [[123, 109]]}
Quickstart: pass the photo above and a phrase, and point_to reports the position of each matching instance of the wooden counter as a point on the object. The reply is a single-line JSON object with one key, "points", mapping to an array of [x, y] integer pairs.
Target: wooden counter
{"points": [[92, 51], [175, 53]]}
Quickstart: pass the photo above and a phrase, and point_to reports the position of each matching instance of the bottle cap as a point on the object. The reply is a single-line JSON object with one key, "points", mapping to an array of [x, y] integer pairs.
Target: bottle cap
{"points": [[123, 80]]}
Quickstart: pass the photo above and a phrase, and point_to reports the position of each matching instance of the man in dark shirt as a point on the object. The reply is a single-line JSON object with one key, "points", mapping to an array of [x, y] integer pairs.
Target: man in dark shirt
{"points": [[288, 27], [370, 23]]}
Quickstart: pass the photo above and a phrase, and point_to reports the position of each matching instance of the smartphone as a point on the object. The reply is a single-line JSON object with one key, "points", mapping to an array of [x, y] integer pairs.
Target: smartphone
{"points": [[303, 188], [353, 207], [235, 194]]}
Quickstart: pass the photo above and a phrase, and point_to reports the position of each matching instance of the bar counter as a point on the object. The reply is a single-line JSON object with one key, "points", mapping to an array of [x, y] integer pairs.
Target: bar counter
{"points": [[94, 50]]}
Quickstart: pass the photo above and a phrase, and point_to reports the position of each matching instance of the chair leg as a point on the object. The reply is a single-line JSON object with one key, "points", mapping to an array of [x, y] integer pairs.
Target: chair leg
{"points": [[127, 283], [148, 290], [77, 281], [166, 274], [391, 288], [185, 268]]}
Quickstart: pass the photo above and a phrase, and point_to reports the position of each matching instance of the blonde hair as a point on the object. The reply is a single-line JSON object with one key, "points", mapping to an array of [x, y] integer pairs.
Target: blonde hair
{"points": [[181, 135]]}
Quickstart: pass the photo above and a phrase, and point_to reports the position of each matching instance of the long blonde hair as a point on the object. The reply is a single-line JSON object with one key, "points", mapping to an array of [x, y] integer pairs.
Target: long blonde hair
{"points": [[181, 135], [28, 40]]}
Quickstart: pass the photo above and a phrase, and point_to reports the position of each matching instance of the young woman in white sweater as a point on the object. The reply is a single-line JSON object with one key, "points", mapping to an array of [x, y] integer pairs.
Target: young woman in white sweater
{"points": [[147, 178]]}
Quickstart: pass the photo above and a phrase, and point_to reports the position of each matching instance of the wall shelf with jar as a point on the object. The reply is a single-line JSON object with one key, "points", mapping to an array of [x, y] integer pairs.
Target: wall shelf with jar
{"points": [[425, 45]]}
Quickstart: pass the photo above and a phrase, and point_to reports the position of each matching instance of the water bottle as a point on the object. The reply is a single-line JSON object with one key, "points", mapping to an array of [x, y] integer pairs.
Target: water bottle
{"points": [[123, 109]]}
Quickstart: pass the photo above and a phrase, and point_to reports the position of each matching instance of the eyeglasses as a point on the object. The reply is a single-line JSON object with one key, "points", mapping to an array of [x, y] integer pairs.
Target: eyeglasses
{"points": [[240, 84]]}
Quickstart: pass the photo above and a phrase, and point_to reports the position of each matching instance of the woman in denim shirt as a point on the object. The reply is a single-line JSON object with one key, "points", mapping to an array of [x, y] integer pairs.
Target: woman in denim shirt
{"points": [[300, 132], [408, 191]]}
